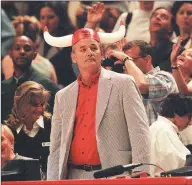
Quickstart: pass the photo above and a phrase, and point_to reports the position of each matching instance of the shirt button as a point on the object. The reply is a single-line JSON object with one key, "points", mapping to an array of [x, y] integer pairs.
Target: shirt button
{"points": [[85, 125], [86, 112], [83, 139], [82, 152]]}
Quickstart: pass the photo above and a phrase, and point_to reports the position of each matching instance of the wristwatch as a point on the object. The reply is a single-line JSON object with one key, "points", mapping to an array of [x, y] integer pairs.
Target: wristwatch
{"points": [[126, 58]]}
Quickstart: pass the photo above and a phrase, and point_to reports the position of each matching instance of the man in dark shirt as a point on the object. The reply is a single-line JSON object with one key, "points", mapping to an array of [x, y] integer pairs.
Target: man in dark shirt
{"points": [[22, 53]]}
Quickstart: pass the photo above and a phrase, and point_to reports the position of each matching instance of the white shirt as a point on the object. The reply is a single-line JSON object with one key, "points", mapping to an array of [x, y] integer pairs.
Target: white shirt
{"points": [[138, 28], [186, 135], [167, 150], [187, 45], [36, 126]]}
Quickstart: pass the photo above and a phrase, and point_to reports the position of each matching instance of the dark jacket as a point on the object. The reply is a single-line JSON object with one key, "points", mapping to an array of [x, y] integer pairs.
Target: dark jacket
{"points": [[161, 55], [34, 147]]}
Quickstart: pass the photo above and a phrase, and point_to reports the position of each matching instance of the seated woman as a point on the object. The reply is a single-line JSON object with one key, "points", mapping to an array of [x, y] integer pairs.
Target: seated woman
{"points": [[31, 122], [15, 167], [7, 146]]}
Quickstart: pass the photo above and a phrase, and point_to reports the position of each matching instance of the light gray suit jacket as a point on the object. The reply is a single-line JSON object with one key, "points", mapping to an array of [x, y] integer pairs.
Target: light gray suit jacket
{"points": [[122, 130]]}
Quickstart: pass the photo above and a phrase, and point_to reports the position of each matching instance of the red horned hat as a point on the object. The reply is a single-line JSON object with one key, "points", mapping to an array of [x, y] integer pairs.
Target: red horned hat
{"points": [[83, 33]]}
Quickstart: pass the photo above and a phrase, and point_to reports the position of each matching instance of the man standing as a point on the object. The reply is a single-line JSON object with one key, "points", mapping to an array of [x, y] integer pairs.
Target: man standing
{"points": [[99, 120]]}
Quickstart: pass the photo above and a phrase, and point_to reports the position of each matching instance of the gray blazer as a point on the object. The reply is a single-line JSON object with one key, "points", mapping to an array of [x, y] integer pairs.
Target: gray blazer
{"points": [[122, 130]]}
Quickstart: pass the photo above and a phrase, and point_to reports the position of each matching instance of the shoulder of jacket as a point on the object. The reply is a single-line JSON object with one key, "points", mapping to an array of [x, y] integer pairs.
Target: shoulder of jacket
{"points": [[67, 88]]}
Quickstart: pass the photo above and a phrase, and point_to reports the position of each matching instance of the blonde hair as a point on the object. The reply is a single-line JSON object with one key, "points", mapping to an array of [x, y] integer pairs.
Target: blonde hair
{"points": [[25, 95], [186, 51], [8, 133]]}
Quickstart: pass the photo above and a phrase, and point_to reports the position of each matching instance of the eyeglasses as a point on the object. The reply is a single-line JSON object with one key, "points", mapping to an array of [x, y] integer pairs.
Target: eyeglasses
{"points": [[136, 58]]}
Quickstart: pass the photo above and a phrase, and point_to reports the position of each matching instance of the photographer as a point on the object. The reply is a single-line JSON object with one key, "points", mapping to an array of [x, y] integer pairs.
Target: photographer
{"points": [[154, 84], [112, 63]]}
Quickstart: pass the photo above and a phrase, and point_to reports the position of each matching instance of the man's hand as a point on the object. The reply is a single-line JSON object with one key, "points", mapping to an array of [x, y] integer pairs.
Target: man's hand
{"points": [[117, 54], [95, 14]]}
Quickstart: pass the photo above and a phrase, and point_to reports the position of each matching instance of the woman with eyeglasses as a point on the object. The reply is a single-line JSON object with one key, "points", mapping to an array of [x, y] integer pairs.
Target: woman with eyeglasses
{"points": [[31, 122]]}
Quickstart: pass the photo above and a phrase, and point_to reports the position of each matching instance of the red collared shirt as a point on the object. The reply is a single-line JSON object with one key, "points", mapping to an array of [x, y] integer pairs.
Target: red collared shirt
{"points": [[84, 145]]}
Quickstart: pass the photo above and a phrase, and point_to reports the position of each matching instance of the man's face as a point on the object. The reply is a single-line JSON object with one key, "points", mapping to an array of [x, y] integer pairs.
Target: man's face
{"points": [[183, 121], [6, 147], [160, 21], [87, 54], [22, 52], [139, 61]]}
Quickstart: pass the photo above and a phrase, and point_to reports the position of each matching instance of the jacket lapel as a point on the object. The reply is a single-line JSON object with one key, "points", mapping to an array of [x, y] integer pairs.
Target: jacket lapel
{"points": [[104, 89], [71, 102]]}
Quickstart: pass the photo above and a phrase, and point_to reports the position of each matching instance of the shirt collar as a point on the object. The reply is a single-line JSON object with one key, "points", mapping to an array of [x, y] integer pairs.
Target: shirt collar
{"points": [[24, 77], [154, 70], [18, 79], [169, 122], [38, 123], [93, 80]]}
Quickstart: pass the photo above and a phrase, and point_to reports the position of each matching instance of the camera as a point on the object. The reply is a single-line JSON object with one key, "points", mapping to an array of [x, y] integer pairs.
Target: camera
{"points": [[110, 62]]}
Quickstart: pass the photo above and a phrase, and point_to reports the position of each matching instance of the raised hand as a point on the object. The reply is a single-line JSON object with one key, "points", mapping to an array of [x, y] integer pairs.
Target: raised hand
{"points": [[95, 13], [175, 51], [117, 54]]}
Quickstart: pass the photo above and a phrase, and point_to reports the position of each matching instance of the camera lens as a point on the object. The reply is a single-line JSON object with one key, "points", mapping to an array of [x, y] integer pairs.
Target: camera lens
{"points": [[108, 62], [118, 68]]}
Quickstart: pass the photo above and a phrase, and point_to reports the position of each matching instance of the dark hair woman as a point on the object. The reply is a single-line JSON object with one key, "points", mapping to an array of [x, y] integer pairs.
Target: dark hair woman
{"points": [[54, 15]]}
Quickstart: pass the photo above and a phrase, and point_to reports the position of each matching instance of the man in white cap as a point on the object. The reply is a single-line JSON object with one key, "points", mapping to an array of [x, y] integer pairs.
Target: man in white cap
{"points": [[99, 120]]}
